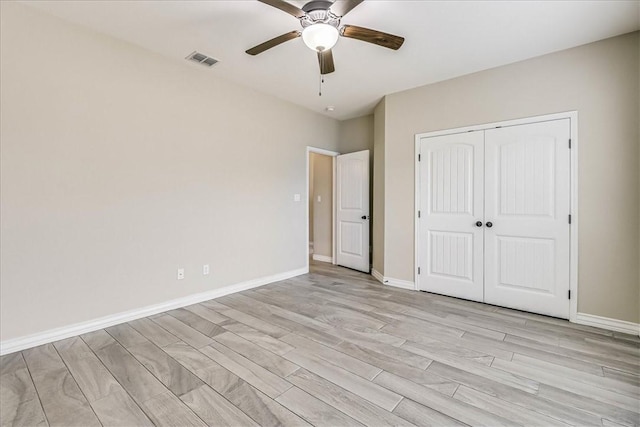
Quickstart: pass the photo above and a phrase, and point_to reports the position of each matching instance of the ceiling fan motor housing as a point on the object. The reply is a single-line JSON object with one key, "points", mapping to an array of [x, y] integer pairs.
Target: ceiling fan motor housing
{"points": [[317, 5], [318, 11]]}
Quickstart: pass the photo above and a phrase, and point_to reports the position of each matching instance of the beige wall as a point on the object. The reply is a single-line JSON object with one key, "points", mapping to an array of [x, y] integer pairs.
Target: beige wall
{"points": [[378, 234], [356, 134], [119, 166], [600, 81], [322, 210]]}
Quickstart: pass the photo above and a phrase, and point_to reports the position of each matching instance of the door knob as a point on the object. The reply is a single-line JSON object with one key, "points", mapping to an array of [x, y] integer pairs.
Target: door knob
{"points": [[489, 224], [479, 224]]}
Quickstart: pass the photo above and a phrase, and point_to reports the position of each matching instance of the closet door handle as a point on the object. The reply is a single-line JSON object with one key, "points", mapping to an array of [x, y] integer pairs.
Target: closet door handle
{"points": [[479, 224], [489, 224]]}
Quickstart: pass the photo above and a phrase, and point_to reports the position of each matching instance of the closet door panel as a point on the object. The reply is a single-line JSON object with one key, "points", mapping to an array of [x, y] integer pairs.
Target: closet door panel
{"points": [[527, 202], [451, 198]]}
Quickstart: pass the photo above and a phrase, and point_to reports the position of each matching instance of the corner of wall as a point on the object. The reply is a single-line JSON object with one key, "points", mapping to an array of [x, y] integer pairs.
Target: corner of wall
{"points": [[378, 218]]}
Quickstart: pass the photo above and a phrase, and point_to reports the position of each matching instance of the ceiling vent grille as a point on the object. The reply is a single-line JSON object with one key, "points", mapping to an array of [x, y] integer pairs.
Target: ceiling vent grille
{"points": [[203, 59]]}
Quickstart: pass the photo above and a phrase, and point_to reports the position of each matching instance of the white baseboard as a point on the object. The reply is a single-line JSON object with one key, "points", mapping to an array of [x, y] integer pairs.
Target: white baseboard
{"points": [[397, 283], [390, 281], [376, 274], [21, 343], [608, 323], [322, 258]]}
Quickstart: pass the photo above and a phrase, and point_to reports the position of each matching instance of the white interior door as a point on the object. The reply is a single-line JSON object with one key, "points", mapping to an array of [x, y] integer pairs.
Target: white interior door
{"points": [[527, 202], [352, 210], [451, 203]]}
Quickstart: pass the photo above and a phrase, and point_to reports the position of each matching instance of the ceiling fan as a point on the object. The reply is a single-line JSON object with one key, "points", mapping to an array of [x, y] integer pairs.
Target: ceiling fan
{"points": [[320, 20]]}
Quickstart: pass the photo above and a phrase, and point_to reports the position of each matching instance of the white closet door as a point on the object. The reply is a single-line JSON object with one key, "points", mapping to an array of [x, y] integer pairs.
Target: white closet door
{"points": [[352, 211], [527, 202], [451, 197]]}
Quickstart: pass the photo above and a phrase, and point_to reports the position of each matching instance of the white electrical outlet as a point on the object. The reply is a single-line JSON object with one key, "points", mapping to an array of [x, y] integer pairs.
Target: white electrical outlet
{"points": [[319, 199], [205, 270], [296, 197], [180, 273]]}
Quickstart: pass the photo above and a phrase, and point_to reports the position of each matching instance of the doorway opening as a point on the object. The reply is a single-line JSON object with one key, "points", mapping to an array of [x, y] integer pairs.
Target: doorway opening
{"points": [[344, 211], [320, 205]]}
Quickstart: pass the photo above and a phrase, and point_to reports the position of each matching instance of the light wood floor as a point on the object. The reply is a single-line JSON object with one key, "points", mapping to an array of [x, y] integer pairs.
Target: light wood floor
{"points": [[330, 348]]}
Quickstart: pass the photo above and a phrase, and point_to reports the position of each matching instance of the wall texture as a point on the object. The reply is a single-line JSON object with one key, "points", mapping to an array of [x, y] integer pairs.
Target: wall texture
{"points": [[323, 209], [600, 81], [119, 166]]}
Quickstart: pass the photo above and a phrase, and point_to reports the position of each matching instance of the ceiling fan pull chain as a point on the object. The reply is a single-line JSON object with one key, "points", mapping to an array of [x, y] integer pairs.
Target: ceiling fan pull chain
{"points": [[321, 76]]}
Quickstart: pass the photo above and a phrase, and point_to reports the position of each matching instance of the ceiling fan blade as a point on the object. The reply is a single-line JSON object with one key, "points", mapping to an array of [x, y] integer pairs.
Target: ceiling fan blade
{"points": [[341, 8], [372, 36], [285, 7], [325, 59], [274, 42]]}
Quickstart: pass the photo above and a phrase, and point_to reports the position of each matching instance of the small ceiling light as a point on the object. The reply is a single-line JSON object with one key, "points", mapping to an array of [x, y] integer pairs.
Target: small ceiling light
{"points": [[330, 108], [320, 37]]}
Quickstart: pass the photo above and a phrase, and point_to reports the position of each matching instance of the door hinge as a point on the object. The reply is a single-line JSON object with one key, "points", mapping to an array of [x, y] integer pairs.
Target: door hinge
{"points": [[569, 143], [418, 270], [569, 294], [419, 157], [418, 214], [569, 219]]}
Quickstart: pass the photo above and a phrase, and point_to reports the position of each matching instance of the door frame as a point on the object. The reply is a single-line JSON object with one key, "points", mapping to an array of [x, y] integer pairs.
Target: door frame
{"points": [[333, 155], [573, 178]]}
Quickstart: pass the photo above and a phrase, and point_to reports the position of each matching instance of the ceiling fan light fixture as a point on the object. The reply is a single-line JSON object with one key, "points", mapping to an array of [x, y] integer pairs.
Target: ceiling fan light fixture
{"points": [[320, 36]]}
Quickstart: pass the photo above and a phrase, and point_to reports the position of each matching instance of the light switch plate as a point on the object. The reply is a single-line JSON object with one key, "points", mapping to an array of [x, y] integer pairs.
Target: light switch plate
{"points": [[180, 274], [296, 197], [319, 199], [205, 269]]}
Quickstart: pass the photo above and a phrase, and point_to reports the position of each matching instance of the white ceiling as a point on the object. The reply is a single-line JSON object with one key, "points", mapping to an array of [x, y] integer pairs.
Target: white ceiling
{"points": [[444, 39]]}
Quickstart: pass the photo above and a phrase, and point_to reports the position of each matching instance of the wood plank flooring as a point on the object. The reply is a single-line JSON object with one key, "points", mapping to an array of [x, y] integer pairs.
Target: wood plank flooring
{"points": [[330, 348]]}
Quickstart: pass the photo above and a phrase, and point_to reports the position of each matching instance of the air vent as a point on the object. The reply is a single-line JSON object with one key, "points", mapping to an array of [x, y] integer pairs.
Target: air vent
{"points": [[203, 59]]}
